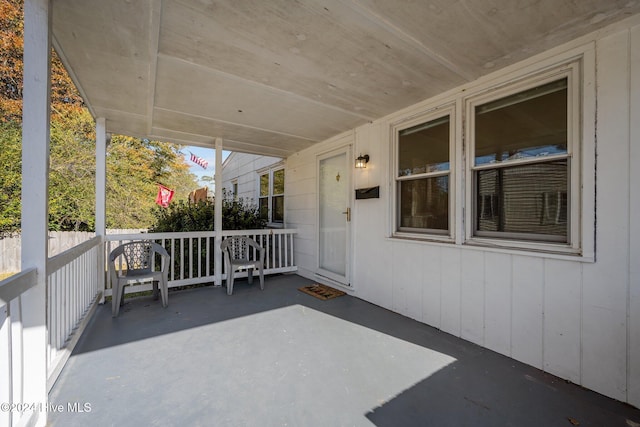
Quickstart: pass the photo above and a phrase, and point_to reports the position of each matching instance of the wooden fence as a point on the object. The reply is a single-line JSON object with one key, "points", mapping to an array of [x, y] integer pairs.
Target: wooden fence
{"points": [[59, 241]]}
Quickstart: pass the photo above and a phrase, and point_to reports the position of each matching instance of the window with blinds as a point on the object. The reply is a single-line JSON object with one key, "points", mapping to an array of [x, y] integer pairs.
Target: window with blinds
{"points": [[521, 165]]}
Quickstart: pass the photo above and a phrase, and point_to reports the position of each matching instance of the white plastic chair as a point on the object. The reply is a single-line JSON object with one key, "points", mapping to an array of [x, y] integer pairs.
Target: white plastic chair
{"points": [[139, 257], [237, 250]]}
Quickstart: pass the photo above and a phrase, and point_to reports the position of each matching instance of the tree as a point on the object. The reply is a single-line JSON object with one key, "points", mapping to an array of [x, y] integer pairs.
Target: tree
{"points": [[72, 172], [10, 176], [63, 92], [134, 166]]}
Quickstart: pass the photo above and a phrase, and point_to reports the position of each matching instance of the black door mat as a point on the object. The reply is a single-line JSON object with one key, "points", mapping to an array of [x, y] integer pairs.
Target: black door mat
{"points": [[322, 292]]}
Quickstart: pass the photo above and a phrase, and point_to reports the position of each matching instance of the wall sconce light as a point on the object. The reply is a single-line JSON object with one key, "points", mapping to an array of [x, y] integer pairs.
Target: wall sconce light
{"points": [[361, 161]]}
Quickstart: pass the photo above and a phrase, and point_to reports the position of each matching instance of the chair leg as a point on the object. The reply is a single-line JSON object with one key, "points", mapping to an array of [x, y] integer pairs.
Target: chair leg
{"points": [[116, 295], [164, 292], [230, 281], [250, 276], [261, 273]]}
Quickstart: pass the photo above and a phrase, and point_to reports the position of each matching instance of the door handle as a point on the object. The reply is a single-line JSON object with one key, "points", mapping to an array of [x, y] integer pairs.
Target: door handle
{"points": [[348, 213]]}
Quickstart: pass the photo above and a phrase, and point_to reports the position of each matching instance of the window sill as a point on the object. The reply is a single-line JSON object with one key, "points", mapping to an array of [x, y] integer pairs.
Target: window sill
{"points": [[423, 237], [537, 249], [548, 251]]}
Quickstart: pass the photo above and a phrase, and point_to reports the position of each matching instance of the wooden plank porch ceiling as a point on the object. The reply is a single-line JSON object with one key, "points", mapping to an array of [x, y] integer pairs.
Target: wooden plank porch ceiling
{"points": [[273, 77]]}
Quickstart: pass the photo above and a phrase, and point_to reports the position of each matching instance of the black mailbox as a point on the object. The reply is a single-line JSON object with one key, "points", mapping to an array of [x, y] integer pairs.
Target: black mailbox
{"points": [[368, 193]]}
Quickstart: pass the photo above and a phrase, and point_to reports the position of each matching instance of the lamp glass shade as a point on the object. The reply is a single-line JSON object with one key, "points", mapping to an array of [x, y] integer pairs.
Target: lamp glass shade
{"points": [[361, 161]]}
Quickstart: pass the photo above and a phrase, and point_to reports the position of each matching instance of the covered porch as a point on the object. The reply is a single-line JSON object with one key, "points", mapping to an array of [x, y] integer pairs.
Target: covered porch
{"points": [[281, 357], [270, 79]]}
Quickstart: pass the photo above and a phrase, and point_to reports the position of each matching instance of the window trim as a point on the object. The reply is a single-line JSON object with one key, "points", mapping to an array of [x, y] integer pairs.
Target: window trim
{"points": [[448, 109], [583, 173], [270, 173], [572, 71], [234, 188]]}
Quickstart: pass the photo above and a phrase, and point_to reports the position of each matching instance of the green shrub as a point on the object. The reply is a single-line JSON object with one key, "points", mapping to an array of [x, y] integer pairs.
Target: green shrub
{"points": [[181, 216]]}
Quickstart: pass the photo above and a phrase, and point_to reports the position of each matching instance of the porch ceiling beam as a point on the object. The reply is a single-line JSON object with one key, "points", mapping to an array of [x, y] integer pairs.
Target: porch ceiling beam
{"points": [[231, 145], [187, 138], [240, 125], [251, 148]]}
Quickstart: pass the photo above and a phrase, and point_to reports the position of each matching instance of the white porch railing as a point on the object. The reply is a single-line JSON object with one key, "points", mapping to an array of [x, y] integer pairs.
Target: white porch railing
{"points": [[72, 294], [12, 355], [72, 291], [192, 254]]}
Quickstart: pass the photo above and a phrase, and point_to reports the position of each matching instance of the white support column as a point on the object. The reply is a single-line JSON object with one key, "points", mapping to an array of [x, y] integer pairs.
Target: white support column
{"points": [[35, 183], [101, 198], [218, 213]]}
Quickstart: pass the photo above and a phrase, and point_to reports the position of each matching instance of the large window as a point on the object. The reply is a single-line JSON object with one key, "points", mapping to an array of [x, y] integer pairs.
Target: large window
{"points": [[506, 165], [271, 195], [423, 176], [521, 165]]}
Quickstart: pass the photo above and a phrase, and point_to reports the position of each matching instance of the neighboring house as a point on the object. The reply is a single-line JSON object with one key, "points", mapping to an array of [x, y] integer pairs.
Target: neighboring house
{"points": [[199, 195], [259, 180], [493, 198]]}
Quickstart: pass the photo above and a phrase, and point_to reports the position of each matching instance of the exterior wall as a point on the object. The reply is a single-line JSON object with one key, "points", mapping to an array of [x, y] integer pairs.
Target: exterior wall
{"points": [[243, 167], [578, 318]]}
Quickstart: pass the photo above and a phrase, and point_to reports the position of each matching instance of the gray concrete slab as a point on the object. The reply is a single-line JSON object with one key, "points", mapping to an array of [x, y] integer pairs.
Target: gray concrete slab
{"points": [[279, 357]]}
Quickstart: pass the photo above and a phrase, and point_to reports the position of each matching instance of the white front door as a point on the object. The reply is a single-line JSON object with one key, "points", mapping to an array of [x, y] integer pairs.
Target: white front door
{"points": [[334, 215]]}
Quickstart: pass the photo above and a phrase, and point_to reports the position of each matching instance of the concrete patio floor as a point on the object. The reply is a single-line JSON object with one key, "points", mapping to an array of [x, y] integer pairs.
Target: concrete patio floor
{"points": [[279, 357]]}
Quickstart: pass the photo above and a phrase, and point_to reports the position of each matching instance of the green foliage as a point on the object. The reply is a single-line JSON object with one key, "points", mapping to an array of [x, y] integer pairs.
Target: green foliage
{"points": [[134, 166], [72, 172], [241, 215], [10, 177], [236, 215]]}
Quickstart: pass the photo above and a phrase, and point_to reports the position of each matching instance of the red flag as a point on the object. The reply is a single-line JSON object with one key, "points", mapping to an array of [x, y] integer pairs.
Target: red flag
{"points": [[199, 160], [164, 196]]}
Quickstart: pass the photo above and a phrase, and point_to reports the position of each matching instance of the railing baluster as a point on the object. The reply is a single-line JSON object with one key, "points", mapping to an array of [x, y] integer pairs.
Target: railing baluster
{"points": [[173, 254], [286, 250], [199, 256], [63, 310], [273, 250], [208, 260], [292, 260], [190, 240]]}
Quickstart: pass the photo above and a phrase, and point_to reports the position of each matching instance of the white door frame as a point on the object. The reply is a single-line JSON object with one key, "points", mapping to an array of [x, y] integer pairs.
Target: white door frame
{"points": [[321, 274]]}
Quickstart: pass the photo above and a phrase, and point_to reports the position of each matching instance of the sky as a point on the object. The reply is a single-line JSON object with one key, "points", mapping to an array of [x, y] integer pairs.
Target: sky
{"points": [[206, 153]]}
